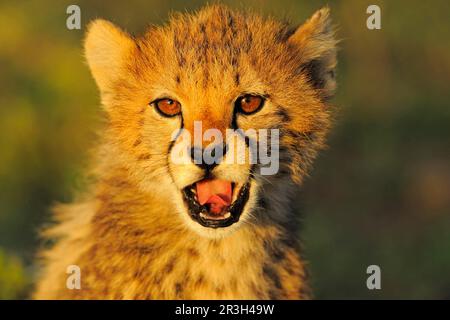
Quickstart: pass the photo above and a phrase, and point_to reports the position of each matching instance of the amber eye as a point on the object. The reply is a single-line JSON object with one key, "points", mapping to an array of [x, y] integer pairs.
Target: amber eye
{"points": [[167, 107], [249, 104]]}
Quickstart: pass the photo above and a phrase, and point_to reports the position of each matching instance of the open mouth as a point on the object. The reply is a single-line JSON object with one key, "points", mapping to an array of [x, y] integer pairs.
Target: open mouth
{"points": [[216, 203]]}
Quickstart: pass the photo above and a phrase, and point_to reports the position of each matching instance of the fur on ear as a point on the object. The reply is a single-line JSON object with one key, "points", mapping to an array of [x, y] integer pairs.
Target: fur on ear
{"points": [[106, 47], [317, 51]]}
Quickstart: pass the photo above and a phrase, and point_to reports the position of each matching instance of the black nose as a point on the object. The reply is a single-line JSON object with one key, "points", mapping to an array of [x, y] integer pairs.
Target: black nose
{"points": [[209, 158]]}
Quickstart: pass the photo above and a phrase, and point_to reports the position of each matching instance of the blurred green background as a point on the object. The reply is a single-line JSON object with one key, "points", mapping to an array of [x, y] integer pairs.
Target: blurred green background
{"points": [[379, 195]]}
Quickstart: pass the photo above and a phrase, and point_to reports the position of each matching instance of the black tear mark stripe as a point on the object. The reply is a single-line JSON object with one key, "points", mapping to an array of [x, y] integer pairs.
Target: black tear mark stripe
{"points": [[172, 142]]}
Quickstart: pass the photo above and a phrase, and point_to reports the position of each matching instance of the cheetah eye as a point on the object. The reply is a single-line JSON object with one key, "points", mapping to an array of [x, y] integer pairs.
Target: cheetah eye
{"points": [[167, 107], [249, 103]]}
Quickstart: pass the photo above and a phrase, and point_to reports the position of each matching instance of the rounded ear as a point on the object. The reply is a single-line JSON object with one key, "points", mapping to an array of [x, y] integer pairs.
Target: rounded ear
{"points": [[106, 47], [315, 41]]}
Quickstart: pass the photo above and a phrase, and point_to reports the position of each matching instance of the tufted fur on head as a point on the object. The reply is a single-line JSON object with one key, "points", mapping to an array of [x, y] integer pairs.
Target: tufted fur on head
{"points": [[133, 236]]}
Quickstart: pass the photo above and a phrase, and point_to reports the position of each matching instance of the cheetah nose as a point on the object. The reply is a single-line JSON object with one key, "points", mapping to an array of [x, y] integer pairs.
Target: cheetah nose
{"points": [[207, 159]]}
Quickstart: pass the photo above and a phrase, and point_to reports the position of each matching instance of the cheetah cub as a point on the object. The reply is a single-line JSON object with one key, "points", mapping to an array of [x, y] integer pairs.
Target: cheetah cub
{"points": [[154, 227]]}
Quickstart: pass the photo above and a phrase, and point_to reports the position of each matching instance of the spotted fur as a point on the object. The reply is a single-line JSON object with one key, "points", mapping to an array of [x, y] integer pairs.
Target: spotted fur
{"points": [[131, 235]]}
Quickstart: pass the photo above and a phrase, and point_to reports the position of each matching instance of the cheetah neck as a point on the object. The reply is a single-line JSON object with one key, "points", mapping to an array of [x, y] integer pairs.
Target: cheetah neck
{"points": [[128, 247], [162, 258]]}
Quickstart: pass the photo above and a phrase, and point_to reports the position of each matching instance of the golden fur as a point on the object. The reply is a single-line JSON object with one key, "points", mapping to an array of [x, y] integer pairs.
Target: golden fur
{"points": [[131, 235]]}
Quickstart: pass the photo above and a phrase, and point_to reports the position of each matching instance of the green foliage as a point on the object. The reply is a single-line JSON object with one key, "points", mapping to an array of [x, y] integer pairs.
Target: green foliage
{"points": [[13, 279]]}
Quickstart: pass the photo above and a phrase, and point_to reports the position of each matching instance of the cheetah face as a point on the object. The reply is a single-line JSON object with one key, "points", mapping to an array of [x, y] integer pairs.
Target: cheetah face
{"points": [[221, 71]]}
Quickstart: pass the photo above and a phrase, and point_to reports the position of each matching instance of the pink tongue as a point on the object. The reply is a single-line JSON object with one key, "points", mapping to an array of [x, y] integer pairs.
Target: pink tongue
{"points": [[215, 192]]}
